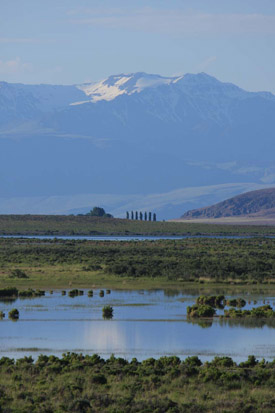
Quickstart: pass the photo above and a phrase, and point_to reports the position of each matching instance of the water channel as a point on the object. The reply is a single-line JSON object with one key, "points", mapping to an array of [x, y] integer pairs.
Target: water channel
{"points": [[131, 238]]}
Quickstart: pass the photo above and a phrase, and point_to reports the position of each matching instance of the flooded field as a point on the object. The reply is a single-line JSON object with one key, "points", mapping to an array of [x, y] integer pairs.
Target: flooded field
{"points": [[145, 324]]}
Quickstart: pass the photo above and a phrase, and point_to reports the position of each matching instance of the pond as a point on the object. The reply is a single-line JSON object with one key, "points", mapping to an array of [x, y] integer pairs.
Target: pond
{"points": [[145, 324]]}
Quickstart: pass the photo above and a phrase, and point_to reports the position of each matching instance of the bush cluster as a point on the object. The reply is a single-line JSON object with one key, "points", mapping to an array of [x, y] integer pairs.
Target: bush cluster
{"points": [[107, 312], [78, 383], [14, 314], [205, 306], [75, 292], [215, 301], [236, 302], [8, 292], [12, 292], [17, 273], [31, 293], [202, 310], [264, 311]]}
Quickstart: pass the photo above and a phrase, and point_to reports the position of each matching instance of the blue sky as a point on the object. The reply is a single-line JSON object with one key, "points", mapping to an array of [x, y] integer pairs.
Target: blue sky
{"points": [[75, 41]]}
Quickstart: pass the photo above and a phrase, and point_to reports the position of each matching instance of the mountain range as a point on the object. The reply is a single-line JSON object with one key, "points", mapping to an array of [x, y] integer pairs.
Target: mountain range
{"points": [[133, 141]]}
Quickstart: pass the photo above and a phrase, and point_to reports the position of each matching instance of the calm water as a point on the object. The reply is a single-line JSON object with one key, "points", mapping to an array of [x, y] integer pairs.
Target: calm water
{"points": [[145, 324]]}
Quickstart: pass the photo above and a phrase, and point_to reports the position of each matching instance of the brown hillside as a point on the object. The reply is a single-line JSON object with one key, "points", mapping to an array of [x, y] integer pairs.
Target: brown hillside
{"points": [[258, 203]]}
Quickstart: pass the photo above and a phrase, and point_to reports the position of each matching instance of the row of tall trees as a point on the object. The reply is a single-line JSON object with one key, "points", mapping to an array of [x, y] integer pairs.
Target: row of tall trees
{"points": [[136, 215]]}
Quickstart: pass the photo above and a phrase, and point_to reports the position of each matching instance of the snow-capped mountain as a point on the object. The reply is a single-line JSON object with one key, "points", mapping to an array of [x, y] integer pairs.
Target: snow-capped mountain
{"points": [[134, 134], [167, 98], [114, 86]]}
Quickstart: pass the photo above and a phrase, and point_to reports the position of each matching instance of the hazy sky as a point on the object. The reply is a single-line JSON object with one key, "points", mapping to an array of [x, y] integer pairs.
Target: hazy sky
{"points": [[75, 41]]}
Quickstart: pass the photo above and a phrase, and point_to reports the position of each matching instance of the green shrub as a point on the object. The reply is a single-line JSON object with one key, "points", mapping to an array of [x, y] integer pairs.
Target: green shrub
{"points": [[264, 311], [215, 301], [90, 293], [193, 361], [73, 293], [236, 302], [8, 292], [17, 273], [99, 379], [200, 311], [30, 293], [14, 314], [107, 312], [241, 302], [251, 362], [170, 361], [223, 361], [210, 374], [6, 361], [81, 406]]}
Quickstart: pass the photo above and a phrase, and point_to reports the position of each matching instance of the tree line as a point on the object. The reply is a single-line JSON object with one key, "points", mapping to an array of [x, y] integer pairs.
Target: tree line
{"points": [[138, 215]]}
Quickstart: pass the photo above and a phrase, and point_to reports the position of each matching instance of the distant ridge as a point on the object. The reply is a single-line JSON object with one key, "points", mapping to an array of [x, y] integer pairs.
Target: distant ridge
{"points": [[260, 203]]}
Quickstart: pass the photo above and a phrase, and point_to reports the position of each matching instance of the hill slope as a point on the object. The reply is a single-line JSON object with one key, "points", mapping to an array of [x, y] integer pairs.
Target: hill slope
{"points": [[259, 203]]}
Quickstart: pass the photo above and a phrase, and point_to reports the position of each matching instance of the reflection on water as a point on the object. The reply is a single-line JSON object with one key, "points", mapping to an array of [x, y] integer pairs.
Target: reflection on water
{"points": [[145, 324], [108, 336], [200, 322], [234, 322], [8, 300], [172, 292], [248, 322]]}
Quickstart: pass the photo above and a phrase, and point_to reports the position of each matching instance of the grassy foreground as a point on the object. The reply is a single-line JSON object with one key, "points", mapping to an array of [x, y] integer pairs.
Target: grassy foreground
{"points": [[148, 264], [86, 225], [77, 383]]}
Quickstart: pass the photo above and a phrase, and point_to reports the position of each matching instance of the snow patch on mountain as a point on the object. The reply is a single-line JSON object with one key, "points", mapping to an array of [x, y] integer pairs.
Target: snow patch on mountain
{"points": [[114, 86]]}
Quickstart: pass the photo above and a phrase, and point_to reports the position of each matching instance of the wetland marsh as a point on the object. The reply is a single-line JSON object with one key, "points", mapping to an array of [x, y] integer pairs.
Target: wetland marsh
{"points": [[145, 324]]}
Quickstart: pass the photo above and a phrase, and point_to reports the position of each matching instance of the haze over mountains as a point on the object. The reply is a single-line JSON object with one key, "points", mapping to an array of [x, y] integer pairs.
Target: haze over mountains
{"points": [[134, 141]]}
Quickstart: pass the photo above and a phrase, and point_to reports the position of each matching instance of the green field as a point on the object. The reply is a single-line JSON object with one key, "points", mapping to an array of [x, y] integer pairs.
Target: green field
{"points": [[78, 384], [87, 225], [134, 264]]}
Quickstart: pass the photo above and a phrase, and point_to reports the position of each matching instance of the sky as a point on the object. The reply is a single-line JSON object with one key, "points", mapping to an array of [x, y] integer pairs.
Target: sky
{"points": [[77, 41]]}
